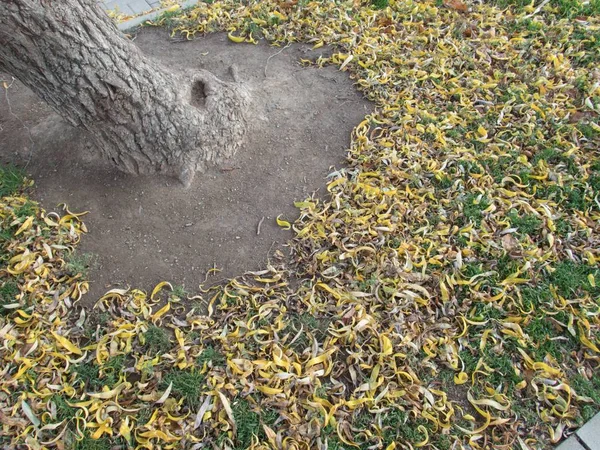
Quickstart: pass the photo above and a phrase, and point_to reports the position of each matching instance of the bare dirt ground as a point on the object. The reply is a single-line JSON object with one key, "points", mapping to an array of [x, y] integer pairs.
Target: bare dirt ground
{"points": [[147, 229]]}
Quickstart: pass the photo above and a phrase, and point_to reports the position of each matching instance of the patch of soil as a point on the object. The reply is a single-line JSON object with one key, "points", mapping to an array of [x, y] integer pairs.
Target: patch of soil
{"points": [[147, 229]]}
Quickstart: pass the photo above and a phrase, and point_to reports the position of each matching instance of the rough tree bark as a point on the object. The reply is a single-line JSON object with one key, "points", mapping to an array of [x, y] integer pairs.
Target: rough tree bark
{"points": [[144, 118]]}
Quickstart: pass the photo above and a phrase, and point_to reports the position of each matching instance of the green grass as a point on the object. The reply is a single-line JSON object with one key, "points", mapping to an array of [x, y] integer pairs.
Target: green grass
{"points": [[169, 19], [144, 416], [587, 388], [397, 427], [571, 197], [541, 330], [180, 292], [469, 360], [8, 294], [89, 373], [322, 391], [113, 369], [104, 443], [443, 182], [588, 131], [187, 384], [563, 8], [554, 157], [87, 443], [156, 340], [211, 355], [471, 269], [11, 180], [379, 4], [329, 435], [503, 370], [535, 296], [525, 409], [571, 279], [588, 412], [498, 168], [530, 25], [486, 311], [563, 227], [526, 224], [269, 417], [309, 324], [473, 210], [506, 266], [63, 410], [594, 180], [6, 234], [25, 210], [80, 263], [589, 43], [248, 423], [576, 198]]}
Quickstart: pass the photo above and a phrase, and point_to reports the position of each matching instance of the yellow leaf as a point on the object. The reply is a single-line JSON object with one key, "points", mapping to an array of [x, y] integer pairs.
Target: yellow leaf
{"points": [[336, 182], [26, 225], [102, 429], [269, 390], [30, 414], [236, 39], [161, 312], [64, 342], [283, 223], [158, 287], [346, 61], [105, 395], [228, 411], [445, 294], [157, 434], [424, 431], [461, 378], [304, 205], [125, 430], [386, 345], [589, 344]]}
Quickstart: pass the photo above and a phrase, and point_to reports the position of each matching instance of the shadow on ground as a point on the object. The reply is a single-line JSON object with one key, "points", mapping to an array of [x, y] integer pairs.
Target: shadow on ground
{"points": [[147, 229]]}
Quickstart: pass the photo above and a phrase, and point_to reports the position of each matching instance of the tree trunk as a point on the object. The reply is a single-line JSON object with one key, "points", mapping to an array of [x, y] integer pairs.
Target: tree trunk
{"points": [[143, 117]]}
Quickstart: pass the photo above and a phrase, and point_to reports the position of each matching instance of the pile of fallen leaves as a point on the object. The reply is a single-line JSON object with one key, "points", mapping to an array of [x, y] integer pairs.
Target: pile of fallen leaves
{"points": [[444, 296]]}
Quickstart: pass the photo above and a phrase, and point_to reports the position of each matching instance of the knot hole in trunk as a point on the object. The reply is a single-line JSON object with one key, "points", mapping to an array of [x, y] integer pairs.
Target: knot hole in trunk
{"points": [[198, 94]]}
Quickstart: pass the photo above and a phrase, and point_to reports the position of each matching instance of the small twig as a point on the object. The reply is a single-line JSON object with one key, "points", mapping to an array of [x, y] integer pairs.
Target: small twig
{"points": [[274, 54], [229, 169], [259, 225]]}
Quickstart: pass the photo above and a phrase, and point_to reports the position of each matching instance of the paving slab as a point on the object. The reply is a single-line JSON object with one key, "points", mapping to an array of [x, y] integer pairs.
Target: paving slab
{"points": [[114, 4], [589, 434], [571, 444], [139, 6], [136, 21]]}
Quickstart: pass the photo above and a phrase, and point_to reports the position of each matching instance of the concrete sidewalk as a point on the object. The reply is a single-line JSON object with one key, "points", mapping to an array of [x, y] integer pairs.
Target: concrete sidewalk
{"points": [[586, 438], [130, 7], [141, 10]]}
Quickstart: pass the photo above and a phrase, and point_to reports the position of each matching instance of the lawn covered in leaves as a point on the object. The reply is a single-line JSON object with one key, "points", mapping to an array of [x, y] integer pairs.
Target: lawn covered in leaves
{"points": [[446, 294]]}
